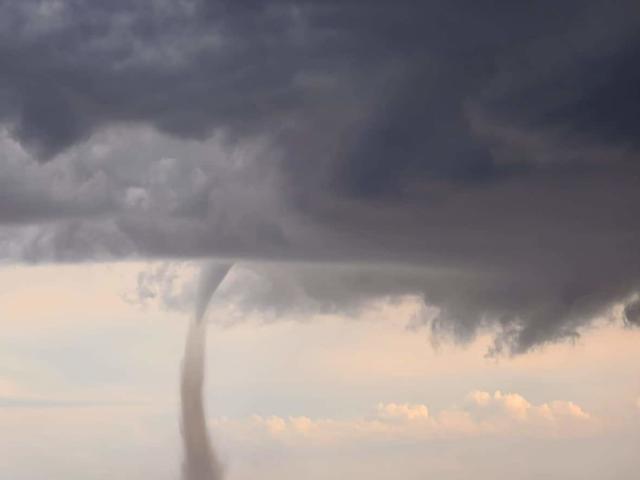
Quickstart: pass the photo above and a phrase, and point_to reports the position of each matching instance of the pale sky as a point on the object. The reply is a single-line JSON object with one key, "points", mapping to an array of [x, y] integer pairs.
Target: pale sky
{"points": [[89, 381]]}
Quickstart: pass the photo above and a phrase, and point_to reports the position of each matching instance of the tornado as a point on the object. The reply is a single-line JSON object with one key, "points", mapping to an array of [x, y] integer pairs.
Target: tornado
{"points": [[200, 461]]}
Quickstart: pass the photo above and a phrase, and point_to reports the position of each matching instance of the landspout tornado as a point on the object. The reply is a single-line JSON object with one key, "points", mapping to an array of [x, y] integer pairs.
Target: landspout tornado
{"points": [[200, 460]]}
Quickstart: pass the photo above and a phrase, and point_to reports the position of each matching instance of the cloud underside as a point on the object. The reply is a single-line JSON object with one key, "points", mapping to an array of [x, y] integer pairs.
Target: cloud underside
{"points": [[482, 157]]}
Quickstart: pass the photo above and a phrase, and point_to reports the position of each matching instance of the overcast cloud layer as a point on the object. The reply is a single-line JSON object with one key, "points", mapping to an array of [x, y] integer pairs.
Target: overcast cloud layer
{"points": [[483, 155]]}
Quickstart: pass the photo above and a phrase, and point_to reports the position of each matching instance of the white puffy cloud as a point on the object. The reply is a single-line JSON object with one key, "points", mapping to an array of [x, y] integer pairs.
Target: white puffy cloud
{"points": [[482, 414], [506, 411], [403, 411]]}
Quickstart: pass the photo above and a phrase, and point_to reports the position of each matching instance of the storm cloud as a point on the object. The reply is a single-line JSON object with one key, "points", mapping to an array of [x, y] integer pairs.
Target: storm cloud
{"points": [[481, 155]]}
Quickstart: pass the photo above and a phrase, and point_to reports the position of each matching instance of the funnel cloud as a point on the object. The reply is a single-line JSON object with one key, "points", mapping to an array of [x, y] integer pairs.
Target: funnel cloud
{"points": [[200, 459]]}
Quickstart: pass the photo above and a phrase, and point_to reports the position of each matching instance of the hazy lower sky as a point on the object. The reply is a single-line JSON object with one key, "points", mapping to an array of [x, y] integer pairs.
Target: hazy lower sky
{"points": [[432, 209], [89, 389]]}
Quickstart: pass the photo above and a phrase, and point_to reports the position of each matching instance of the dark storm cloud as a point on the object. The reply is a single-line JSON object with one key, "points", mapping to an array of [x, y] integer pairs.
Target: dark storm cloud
{"points": [[497, 140], [632, 313], [528, 308]]}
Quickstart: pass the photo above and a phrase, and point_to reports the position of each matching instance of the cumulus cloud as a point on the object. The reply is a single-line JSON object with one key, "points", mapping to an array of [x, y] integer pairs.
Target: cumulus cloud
{"points": [[482, 414], [481, 157], [518, 408], [403, 410]]}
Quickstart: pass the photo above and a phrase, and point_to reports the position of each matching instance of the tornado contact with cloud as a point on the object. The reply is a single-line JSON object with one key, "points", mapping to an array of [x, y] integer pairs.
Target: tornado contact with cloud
{"points": [[200, 459]]}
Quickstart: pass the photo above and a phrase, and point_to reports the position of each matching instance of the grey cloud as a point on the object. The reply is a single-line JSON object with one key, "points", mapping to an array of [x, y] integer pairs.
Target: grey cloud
{"points": [[523, 310], [489, 139], [33, 193], [632, 313], [88, 65], [163, 284]]}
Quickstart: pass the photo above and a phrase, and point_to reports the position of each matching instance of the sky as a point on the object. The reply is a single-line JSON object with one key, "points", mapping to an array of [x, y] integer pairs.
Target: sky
{"points": [[431, 207]]}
